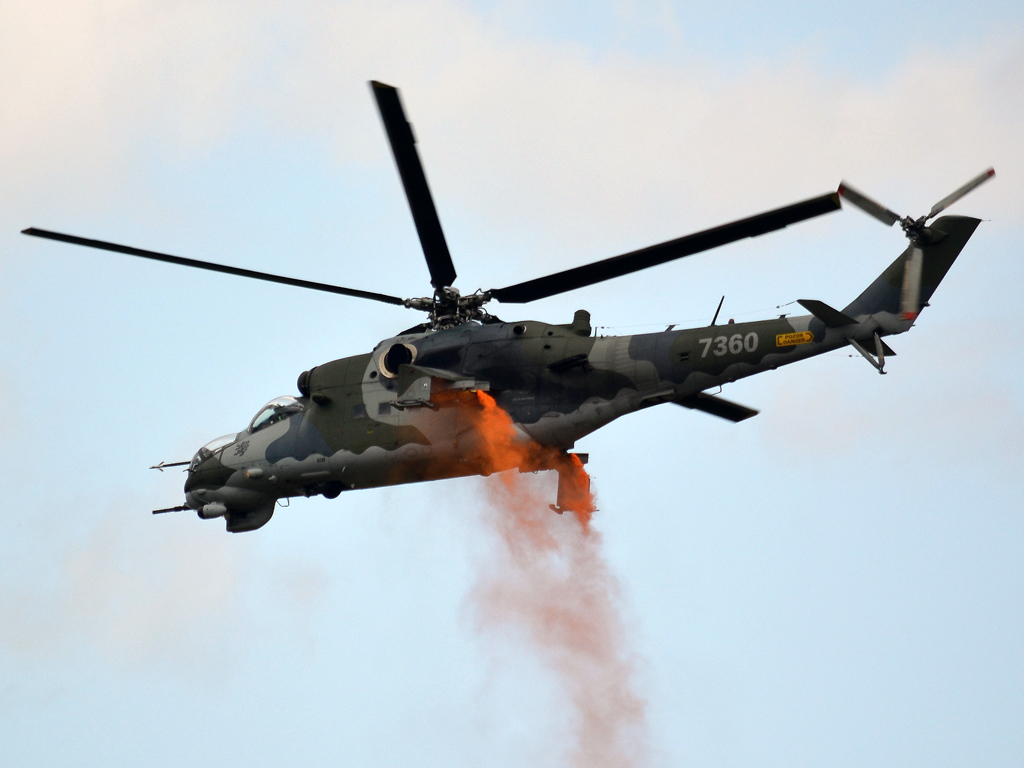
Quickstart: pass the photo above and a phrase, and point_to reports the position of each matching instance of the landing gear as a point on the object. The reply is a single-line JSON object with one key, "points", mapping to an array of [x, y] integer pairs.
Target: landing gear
{"points": [[878, 359]]}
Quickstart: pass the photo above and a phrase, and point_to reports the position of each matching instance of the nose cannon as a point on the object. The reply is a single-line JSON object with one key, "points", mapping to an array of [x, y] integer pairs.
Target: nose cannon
{"points": [[224, 479]]}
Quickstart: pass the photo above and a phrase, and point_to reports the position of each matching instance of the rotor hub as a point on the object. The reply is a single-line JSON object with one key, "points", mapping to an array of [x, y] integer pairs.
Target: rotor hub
{"points": [[449, 308]]}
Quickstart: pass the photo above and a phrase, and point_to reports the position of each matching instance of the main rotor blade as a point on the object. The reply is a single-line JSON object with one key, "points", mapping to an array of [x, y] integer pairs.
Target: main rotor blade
{"points": [[947, 201], [868, 205], [617, 266], [210, 266], [424, 214]]}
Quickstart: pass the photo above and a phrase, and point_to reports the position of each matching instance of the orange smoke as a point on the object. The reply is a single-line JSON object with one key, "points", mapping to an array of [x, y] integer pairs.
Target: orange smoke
{"points": [[550, 585], [491, 443]]}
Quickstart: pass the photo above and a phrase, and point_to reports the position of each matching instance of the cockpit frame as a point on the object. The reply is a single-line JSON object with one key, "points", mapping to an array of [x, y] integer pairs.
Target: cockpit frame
{"points": [[276, 410]]}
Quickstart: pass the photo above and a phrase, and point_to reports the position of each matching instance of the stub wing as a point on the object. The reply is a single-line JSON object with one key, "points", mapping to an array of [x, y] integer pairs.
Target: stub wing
{"points": [[716, 406]]}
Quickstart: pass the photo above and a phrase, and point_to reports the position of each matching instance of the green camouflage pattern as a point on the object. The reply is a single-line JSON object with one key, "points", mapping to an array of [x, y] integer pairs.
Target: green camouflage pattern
{"points": [[378, 419]]}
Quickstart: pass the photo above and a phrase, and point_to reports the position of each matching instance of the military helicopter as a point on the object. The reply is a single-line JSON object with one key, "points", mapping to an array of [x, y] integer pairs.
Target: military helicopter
{"points": [[389, 416]]}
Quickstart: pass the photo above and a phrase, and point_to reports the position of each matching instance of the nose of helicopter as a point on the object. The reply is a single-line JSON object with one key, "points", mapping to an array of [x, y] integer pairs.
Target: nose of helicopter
{"points": [[243, 508], [205, 469]]}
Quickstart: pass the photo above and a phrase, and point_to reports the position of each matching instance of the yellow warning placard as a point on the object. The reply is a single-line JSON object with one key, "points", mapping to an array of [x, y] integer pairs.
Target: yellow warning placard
{"points": [[789, 339]]}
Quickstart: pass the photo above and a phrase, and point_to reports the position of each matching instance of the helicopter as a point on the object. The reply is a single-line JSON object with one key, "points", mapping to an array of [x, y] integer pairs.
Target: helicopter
{"points": [[397, 414]]}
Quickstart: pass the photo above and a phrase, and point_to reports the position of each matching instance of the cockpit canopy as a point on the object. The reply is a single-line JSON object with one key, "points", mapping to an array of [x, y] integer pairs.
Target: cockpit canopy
{"points": [[211, 448], [276, 410], [215, 445]]}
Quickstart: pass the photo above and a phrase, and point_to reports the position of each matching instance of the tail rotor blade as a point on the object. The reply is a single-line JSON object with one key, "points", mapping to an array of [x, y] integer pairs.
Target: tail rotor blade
{"points": [[868, 205], [974, 183], [910, 298], [424, 214]]}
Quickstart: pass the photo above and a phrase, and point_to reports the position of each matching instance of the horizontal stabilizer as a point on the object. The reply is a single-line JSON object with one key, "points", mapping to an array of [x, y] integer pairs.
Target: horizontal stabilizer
{"points": [[716, 406], [830, 316]]}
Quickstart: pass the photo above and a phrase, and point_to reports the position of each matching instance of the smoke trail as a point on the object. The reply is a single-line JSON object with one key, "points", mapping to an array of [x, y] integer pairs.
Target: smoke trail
{"points": [[550, 581]]}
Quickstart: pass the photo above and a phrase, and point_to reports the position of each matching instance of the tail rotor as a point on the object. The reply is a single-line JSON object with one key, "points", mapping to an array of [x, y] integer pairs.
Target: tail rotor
{"points": [[910, 296], [916, 231]]}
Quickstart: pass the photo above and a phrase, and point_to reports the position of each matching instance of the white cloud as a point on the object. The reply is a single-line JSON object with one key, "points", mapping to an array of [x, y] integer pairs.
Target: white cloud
{"points": [[513, 131], [87, 87], [546, 133]]}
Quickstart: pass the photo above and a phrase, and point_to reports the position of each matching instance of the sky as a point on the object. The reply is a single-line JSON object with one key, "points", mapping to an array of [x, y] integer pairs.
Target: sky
{"points": [[836, 581]]}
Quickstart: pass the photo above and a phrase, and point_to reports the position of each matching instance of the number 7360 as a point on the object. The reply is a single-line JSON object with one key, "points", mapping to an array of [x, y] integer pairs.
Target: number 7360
{"points": [[729, 345]]}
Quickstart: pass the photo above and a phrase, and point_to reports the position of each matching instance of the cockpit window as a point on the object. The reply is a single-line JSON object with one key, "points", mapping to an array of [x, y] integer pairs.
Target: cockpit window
{"points": [[211, 448], [215, 445], [276, 410]]}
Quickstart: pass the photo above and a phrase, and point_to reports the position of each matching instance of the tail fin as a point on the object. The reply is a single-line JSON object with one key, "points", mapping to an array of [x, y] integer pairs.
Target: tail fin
{"points": [[948, 236]]}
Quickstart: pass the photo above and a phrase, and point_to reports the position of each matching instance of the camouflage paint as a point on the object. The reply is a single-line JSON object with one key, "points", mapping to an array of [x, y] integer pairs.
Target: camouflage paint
{"points": [[366, 425]]}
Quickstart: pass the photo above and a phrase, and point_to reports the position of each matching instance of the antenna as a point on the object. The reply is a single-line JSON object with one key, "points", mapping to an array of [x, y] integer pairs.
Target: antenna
{"points": [[715, 318]]}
